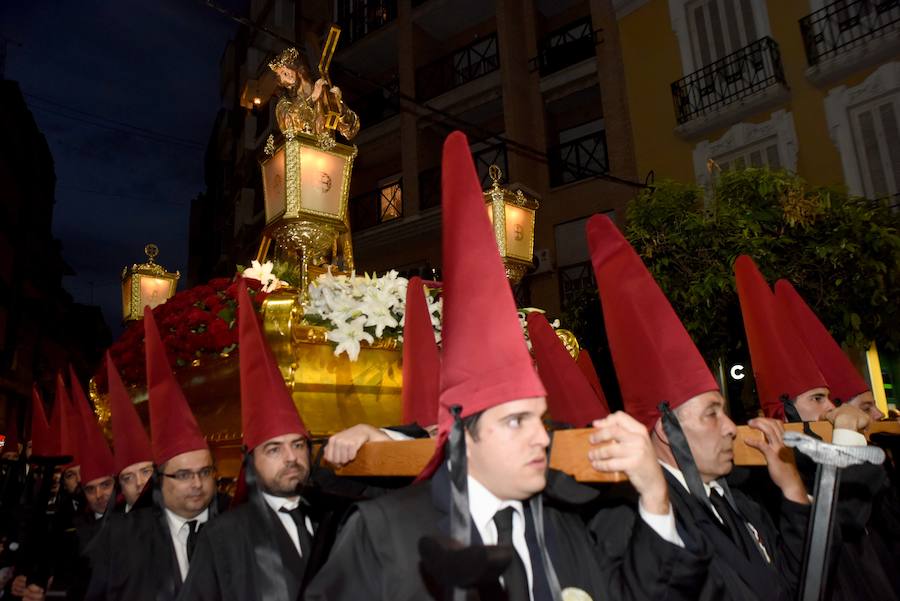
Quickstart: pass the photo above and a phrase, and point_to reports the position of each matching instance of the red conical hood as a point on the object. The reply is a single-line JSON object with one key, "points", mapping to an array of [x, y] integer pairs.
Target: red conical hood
{"points": [[43, 441], [844, 381], [267, 409], [94, 455], [173, 428], [484, 359], [570, 397], [781, 364], [65, 424], [654, 356], [587, 368], [130, 441], [421, 360]]}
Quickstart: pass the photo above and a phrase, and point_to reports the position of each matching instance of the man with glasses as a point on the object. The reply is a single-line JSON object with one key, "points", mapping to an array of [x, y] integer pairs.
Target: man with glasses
{"points": [[145, 554]]}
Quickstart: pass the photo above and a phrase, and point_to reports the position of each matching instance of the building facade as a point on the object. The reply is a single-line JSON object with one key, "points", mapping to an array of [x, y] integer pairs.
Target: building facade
{"points": [[538, 87]]}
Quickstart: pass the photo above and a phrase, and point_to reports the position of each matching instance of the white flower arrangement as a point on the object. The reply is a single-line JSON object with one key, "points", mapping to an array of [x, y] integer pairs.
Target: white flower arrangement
{"points": [[358, 309]]}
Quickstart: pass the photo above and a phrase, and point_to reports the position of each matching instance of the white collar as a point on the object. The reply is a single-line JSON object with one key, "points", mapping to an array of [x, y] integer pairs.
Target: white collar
{"points": [[176, 522], [98, 516], [483, 504], [279, 503], [713, 485]]}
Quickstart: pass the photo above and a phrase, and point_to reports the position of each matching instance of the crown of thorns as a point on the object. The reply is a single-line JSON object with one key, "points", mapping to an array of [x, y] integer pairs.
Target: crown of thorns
{"points": [[287, 58]]}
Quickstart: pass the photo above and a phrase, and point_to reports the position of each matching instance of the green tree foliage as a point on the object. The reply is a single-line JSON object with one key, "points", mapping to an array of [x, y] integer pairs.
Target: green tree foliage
{"points": [[841, 253]]}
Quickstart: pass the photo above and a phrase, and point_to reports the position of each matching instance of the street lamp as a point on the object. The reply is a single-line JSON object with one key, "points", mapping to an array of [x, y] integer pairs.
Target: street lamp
{"points": [[146, 284], [512, 215]]}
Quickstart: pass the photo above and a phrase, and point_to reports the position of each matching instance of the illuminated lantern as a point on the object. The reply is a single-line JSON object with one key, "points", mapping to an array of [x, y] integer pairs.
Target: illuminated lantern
{"points": [[146, 284], [512, 215]]}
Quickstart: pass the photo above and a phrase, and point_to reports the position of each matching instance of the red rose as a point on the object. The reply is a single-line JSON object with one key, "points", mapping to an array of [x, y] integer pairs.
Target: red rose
{"points": [[220, 283]]}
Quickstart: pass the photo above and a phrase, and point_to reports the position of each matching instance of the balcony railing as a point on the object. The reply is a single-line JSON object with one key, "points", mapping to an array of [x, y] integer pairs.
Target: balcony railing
{"points": [[565, 47], [430, 179], [376, 207], [462, 66], [578, 159], [846, 24], [743, 73], [379, 104], [359, 18]]}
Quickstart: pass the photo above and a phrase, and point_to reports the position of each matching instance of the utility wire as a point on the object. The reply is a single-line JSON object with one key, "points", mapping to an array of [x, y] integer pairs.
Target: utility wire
{"points": [[118, 195], [485, 134], [152, 136], [138, 128]]}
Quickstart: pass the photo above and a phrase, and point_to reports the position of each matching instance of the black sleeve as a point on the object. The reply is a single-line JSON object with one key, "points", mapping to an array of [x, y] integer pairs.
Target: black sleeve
{"points": [[353, 570], [639, 564], [412, 430]]}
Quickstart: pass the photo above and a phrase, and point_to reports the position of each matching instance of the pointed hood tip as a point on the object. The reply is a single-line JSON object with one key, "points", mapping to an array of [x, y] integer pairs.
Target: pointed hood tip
{"points": [[267, 407], [173, 427]]}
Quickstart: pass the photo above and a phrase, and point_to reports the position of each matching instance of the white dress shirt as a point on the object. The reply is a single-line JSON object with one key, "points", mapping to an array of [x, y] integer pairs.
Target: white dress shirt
{"points": [[179, 529], [278, 503], [482, 506]]}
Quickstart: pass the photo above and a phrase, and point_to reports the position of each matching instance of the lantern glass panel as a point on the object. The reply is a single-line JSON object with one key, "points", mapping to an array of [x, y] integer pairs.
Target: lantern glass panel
{"points": [[154, 291], [274, 185], [519, 232], [321, 181]]}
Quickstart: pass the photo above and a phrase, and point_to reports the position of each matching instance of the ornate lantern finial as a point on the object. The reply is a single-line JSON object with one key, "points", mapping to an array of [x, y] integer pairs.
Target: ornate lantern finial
{"points": [[146, 284], [512, 215]]}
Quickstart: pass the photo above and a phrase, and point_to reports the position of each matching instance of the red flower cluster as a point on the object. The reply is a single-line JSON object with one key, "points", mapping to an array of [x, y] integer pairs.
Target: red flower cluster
{"points": [[198, 322]]}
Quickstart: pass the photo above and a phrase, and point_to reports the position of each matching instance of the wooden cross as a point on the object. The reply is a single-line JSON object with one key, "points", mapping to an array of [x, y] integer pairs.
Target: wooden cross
{"points": [[332, 104]]}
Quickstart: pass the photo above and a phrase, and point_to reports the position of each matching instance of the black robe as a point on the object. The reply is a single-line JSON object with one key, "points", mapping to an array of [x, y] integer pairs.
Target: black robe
{"points": [[731, 574], [376, 555], [133, 557], [246, 554], [863, 566]]}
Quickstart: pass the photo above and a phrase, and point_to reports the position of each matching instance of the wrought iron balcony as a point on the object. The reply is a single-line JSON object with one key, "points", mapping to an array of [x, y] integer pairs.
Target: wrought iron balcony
{"points": [[379, 104], [565, 46], [376, 207], [430, 179], [462, 66], [578, 159], [741, 74], [358, 18], [847, 24]]}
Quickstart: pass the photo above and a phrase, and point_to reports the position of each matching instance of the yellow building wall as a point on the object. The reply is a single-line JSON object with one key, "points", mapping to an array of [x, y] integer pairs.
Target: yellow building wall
{"points": [[652, 59]]}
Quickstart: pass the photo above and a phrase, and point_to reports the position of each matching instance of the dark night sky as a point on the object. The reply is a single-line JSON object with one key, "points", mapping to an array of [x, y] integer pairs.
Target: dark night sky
{"points": [[150, 64]]}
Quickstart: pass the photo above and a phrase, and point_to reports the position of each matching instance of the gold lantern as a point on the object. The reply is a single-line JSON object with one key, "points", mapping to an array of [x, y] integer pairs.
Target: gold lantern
{"points": [[306, 187], [512, 215], [146, 284], [306, 180]]}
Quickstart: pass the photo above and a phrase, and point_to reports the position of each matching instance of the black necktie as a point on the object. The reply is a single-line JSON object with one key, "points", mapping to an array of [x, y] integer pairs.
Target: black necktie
{"points": [[734, 524], [302, 533], [515, 580], [194, 530]]}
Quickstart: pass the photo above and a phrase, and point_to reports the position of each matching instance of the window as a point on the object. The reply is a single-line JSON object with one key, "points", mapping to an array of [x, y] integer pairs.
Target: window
{"points": [[877, 141], [759, 155], [864, 122], [708, 30], [719, 27], [391, 201], [772, 144], [576, 274]]}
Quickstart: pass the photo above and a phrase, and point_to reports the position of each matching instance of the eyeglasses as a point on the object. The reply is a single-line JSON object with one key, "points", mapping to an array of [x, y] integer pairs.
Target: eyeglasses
{"points": [[188, 475]]}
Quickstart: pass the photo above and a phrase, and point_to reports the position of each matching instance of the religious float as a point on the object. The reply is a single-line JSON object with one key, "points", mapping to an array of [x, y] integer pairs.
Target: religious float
{"points": [[336, 335]]}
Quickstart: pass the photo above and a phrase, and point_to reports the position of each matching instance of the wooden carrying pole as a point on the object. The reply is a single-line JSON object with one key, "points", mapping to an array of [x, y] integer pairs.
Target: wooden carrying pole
{"points": [[568, 454]]}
